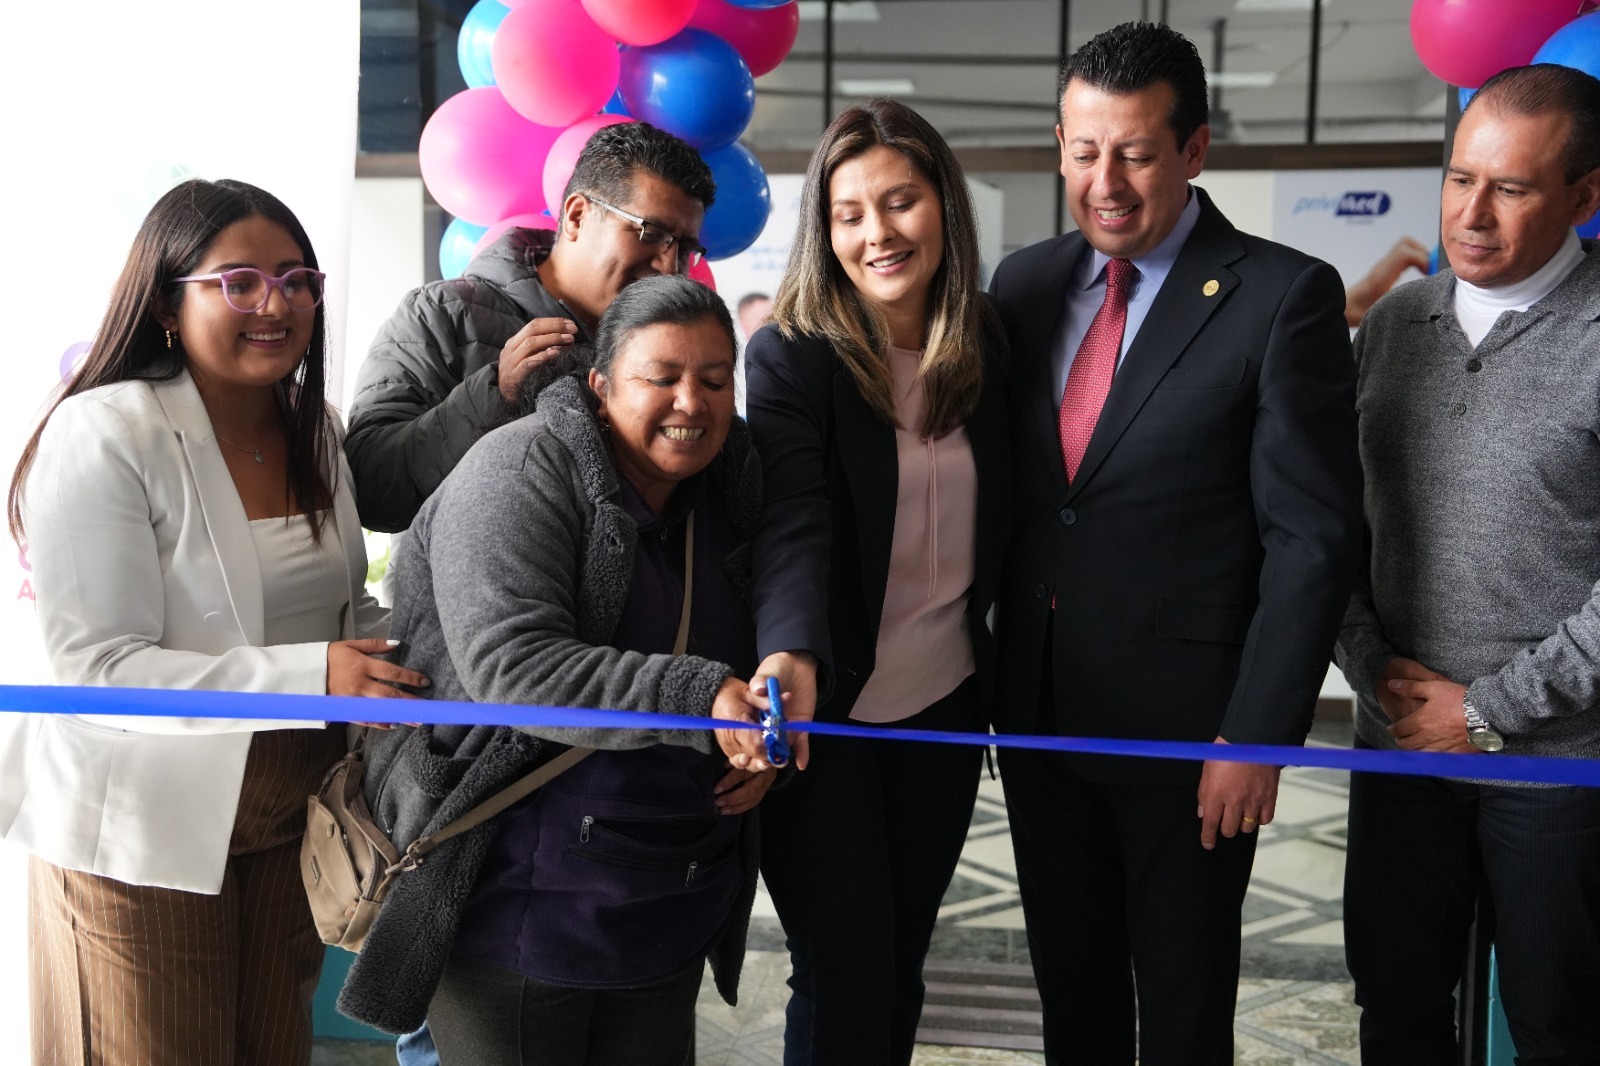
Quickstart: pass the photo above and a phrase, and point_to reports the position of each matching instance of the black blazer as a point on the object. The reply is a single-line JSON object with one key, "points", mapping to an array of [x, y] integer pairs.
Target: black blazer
{"points": [[1201, 561], [830, 473]]}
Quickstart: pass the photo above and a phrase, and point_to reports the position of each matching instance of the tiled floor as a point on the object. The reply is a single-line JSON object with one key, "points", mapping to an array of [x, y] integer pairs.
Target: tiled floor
{"points": [[1294, 995]]}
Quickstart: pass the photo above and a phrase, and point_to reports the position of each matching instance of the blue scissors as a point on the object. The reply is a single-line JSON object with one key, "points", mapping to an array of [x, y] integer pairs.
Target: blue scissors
{"points": [[772, 726]]}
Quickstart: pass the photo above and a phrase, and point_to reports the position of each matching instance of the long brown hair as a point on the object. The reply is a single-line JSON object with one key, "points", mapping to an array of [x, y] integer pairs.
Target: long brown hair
{"points": [[131, 344], [817, 298]]}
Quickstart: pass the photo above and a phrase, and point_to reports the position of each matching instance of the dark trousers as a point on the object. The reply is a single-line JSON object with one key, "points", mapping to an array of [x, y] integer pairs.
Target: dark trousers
{"points": [[1420, 851], [488, 1016], [857, 851], [1124, 906]]}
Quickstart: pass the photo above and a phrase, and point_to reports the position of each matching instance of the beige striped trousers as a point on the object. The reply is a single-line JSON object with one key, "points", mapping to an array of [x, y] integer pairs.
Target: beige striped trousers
{"points": [[129, 975]]}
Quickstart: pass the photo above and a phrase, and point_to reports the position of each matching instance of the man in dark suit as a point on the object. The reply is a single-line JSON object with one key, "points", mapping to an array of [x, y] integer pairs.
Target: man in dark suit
{"points": [[1188, 516]]}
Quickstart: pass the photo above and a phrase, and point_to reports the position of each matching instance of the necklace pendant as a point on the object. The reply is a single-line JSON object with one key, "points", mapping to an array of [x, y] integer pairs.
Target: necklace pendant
{"points": [[260, 458]]}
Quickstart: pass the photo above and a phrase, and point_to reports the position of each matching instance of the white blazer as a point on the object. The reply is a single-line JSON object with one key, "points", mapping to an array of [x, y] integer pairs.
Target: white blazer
{"points": [[146, 577]]}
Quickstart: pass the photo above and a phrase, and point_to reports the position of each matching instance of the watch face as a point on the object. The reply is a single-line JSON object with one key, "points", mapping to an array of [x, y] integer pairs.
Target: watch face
{"points": [[1486, 740]]}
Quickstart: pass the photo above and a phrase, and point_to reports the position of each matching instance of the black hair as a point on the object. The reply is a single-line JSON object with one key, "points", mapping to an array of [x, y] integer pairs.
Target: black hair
{"points": [[1136, 55], [666, 298], [612, 156], [1547, 88], [131, 343]]}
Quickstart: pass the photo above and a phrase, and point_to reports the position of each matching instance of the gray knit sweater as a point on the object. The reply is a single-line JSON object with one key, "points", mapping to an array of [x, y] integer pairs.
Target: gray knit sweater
{"points": [[1483, 510]]}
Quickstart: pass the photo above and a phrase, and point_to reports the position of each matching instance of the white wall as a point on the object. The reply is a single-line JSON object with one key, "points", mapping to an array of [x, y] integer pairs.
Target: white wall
{"points": [[386, 262], [1245, 196], [108, 104]]}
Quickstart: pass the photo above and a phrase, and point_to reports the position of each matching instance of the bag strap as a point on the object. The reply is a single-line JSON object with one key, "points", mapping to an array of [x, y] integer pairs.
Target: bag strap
{"points": [[495, 804], [682, 643], [561, 763]]}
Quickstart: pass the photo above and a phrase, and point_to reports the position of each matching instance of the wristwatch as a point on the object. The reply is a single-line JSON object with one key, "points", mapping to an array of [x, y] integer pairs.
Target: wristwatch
{"points": [[1483, 736]]}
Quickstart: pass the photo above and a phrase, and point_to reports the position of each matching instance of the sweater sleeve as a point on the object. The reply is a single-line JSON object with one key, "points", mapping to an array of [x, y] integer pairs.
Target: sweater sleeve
{"points": [[507, 548], [416, 412], [1362, 650], [1556, 678]]}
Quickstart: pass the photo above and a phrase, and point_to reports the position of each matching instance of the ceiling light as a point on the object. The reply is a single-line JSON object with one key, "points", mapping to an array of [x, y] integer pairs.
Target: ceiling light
{"points": [[1241, 79], [876, 86], [843, 11], [1275, 5]]}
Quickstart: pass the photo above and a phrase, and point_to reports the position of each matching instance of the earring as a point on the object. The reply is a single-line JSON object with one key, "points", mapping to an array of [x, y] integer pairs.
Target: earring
{"points": [[168, 332]]}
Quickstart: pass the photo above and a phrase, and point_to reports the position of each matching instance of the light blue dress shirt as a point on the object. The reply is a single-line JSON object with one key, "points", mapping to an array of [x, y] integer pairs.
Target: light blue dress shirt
{"points": [[1087, 291]]}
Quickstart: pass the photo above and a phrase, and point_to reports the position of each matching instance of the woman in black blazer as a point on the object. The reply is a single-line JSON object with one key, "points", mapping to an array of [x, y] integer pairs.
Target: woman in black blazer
{"points": [[875, 400]]}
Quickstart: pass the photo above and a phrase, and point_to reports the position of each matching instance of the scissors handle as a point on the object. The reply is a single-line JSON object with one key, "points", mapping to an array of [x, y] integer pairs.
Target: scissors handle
{"points": [[772, 733]]}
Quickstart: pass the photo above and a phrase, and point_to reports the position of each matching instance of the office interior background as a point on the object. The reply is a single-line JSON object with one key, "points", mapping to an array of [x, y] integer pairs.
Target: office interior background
{"points": [[1312, 100]]}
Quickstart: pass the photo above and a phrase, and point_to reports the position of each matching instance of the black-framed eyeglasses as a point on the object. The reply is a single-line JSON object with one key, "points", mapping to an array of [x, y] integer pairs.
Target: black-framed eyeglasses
{"points": [[655, 235], [247, 289]]}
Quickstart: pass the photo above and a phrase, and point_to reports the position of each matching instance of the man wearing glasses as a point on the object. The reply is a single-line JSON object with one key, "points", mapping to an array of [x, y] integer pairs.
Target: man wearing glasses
{"points": [[447, 365]]}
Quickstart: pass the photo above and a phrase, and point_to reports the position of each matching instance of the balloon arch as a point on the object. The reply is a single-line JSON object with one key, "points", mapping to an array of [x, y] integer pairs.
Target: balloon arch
{"points": [[1467, 42], [544, 75]]}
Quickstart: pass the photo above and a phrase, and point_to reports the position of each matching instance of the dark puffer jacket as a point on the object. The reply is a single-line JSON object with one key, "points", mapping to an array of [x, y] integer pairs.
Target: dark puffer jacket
{"points": [[531, 537], [430, 385]]}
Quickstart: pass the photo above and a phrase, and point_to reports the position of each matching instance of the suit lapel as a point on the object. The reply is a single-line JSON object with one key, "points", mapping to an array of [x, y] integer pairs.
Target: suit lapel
{"points": [[871, 462], [989, 435], [1178, 313], [1041, 404], [225, 519], [346, 525]]}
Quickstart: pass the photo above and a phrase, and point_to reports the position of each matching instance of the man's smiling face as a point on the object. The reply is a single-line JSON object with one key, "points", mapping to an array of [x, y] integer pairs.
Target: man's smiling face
{"points": [[1127, 177]]}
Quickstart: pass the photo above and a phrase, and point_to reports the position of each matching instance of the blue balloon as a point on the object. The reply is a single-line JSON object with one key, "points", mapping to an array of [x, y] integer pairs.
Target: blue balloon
{"points": [[1576, 45], [1591, 228], [744, 201], [477, 40], [1463, 94], [693, 85], [758, 5], [615, 106], [455, 249]]}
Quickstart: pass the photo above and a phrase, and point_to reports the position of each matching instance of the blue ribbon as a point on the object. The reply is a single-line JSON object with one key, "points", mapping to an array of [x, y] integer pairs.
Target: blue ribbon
{"points": [[188, 703]]}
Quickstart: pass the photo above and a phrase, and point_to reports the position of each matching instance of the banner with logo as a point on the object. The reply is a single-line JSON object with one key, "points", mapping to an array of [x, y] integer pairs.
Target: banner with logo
{"points": [[1350, 218]]}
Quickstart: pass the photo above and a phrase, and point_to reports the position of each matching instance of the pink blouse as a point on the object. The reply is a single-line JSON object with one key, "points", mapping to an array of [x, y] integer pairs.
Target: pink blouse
{"points": [[924, 650]]}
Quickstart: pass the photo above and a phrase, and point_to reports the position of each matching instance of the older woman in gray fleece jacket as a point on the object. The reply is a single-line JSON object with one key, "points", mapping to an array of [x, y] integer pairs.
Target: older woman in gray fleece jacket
{"points": [[551, 567]]}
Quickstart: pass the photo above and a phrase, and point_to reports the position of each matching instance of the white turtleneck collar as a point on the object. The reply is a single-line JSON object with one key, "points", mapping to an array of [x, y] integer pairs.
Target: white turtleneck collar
{"points": [[1477, 309]]}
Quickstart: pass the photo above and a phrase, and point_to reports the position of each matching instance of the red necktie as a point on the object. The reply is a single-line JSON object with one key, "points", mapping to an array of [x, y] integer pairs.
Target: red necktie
{"points": [[1089, 380]]}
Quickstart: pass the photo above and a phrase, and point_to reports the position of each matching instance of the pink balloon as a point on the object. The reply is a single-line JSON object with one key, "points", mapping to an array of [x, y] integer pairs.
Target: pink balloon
{"points": [[564, 155], [499, 229], [762, 35], [640, 21], [552, 62], [481, 160], [701, 272], [1467, 42]]}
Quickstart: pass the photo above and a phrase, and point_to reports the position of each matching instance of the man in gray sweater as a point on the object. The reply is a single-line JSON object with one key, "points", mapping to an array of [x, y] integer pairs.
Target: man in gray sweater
{"points": [[446, 367], [1475, 625]]}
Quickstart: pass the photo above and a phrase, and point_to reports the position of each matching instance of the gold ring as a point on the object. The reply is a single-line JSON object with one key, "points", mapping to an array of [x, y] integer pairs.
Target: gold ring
{"points": [[1247, 818]]}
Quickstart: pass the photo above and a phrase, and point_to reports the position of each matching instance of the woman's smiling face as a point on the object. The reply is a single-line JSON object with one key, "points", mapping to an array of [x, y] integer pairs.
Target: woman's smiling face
{"points": [[668, 398], [237, 348], [887, 231]]}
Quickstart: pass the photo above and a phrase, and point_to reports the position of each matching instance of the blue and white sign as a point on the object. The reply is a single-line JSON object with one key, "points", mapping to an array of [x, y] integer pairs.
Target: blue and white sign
{"points": [[1352, 217]]}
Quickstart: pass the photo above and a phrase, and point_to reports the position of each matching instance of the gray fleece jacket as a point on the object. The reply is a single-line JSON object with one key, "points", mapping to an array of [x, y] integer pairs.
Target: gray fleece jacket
{"points": [[512, 581], [1483, 510]]}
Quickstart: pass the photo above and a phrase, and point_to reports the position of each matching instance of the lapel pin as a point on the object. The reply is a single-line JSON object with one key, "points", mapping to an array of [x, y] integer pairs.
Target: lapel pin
{"points": [[1210, 288]]}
